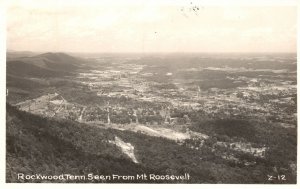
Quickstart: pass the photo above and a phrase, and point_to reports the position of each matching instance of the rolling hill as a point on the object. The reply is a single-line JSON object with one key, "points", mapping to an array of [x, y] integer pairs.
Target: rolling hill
{"points": [[44, 65], [29, 73], [23, 69]]}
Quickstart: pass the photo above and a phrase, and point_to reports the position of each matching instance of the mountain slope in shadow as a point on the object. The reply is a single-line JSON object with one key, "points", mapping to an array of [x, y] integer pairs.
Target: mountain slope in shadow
{"points": [[37, 145]]}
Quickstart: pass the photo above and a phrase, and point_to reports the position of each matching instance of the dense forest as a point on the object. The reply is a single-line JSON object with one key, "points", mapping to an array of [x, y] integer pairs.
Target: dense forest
{"points": [[39, 145], [54, 146]]}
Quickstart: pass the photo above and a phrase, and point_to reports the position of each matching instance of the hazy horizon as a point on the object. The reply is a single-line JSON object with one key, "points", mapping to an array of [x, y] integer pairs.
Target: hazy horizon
{"points": [[150, 28], [124, 52]]}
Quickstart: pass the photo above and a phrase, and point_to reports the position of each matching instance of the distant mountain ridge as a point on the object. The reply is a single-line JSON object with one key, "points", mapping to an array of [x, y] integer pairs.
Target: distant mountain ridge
{"points": [[44, 65], [62, 58], [32, 72], [24, 69], [54, 61]]}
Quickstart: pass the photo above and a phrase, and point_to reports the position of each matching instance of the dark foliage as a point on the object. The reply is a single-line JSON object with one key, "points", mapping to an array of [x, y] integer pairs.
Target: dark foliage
{"points": [[40, 145]]}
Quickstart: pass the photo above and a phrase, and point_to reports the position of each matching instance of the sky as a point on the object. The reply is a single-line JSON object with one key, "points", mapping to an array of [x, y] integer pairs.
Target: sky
{"points": [[149, 27]]}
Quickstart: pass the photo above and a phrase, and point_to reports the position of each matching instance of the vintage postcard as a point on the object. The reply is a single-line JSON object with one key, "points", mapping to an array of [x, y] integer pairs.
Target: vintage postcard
{"points": [[172, 92]]}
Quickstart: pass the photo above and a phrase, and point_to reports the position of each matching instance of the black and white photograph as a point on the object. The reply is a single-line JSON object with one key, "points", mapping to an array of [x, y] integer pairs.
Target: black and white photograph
{"points": [[152, 92]]}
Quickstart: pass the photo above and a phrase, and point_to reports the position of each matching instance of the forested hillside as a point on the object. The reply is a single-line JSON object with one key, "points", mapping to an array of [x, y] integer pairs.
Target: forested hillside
{"points": [[52, 147], [55, 146]]}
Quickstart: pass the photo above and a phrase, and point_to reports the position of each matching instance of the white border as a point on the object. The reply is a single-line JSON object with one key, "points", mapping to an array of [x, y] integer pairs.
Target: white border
{"points": [[3, 6]]}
